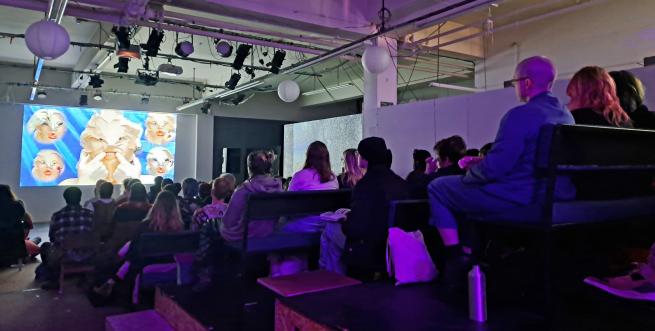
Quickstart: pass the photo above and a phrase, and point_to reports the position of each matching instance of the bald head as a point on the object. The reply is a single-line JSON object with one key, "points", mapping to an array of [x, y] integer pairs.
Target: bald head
{"points": [[537, 75]]}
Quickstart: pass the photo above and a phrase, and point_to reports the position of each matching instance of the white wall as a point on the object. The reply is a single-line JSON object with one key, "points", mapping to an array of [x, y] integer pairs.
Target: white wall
{"points": [[612, 34]]}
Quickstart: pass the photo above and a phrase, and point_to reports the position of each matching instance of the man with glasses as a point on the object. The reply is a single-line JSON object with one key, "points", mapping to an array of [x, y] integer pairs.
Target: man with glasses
{"points": [[504, 179]]}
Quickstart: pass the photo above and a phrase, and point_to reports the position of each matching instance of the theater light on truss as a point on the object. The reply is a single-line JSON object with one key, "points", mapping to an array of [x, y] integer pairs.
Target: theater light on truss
{"points": [[95, 81], [122, 65], [170, 69], [234, 80], [97, 96], [278, 59], [224, 49], [184, 49], [153, 43], [242, 53]]}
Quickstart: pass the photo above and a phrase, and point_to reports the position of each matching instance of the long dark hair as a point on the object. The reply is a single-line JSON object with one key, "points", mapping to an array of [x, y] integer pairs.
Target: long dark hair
{"points": [[7, 197], [318, 158]]}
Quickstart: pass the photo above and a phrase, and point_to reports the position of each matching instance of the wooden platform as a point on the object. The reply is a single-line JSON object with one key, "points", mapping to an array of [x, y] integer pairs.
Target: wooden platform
{"points": [[306, 282], [138, 321]]}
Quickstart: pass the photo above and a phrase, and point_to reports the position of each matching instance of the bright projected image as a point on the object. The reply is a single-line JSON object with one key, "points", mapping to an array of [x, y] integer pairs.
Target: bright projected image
{"points": [[338, 133], [78, 146]]}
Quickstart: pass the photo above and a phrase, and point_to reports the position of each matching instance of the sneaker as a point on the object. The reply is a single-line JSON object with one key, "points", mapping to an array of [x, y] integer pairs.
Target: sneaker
{"points": [[104, 290], [637, 285]]}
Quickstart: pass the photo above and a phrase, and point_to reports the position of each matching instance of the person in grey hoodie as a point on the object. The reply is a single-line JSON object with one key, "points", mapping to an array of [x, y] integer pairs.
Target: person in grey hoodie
{"points": [[260, 164]]}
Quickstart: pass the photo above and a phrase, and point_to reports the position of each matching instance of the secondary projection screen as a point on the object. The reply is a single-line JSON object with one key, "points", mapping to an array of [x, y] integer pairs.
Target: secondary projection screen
{"points": [[339, 134], [78, 146]]}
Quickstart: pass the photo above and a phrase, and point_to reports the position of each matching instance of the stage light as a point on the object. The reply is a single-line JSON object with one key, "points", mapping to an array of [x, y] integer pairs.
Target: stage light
{"points": [[95, 81], [250, 71], [278, 59], [122, 37], [170, 69], [41, 94], [146, 77], [97, 96], [122, 65], [184, 48], [153, 43], [224, 48], [145, 99], [234, 80], [242, 52], [206, 108], [84, 100]]}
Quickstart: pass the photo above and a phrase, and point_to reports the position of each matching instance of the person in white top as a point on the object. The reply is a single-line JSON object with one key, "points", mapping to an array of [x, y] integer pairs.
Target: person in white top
{"points": [[316, 175]]}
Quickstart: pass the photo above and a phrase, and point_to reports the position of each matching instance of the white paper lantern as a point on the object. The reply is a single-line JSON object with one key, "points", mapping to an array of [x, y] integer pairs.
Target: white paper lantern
{"points": [[47, 39], [376, 59], [288, 91]]}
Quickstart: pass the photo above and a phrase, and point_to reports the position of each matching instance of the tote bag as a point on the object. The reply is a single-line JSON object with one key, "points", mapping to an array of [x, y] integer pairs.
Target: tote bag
{"points": [[408, 260]]}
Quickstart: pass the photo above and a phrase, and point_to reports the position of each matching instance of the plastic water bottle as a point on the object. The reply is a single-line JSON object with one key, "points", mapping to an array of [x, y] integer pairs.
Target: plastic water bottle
{"points": [[477, 295]]}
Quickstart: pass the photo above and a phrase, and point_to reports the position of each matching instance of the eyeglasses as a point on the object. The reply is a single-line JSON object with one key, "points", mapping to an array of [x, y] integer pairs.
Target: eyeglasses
{"points": [[512, 82]]}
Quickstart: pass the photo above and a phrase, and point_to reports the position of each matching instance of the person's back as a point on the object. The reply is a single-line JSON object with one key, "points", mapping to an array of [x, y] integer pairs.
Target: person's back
{"points": [[71, 220], [261, 181], [417, 180], [508, 170], [367, 223], [103, 211]]}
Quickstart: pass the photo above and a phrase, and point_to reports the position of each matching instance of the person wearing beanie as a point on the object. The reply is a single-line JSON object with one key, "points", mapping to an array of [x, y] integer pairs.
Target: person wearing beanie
{"points": [[365, 229]]}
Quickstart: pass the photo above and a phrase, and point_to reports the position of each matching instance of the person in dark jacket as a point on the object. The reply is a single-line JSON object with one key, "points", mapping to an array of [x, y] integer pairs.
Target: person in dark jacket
{"points": [[367, 223], [631, 93], [505, 178], [448, 151], [417, 180]]}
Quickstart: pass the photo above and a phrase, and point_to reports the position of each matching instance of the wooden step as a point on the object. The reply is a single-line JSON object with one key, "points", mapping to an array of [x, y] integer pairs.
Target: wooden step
{"points": [[138, 321]]}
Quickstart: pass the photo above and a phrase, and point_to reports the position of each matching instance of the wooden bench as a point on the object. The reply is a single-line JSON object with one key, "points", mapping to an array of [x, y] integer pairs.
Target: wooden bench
{"points": [[272, 207]]}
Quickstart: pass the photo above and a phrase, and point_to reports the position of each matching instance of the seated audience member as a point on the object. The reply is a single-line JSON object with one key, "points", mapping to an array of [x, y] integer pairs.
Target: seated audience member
{"points": [[351, 173], [448, 151], [316, 175], [484, 150], [505, 178], [232, 180], [70, 220], [103, 211], [631, 94], [221, 189], [126, 191], [204, 194], [173, 189], [472, 152], [189, 201], [260, 164], [166, 181], [163, 217], [155, 189], [365, 229], [88, 204], [136, 208], [10, 224], [32, 244], [593, 99], [417, 180]]}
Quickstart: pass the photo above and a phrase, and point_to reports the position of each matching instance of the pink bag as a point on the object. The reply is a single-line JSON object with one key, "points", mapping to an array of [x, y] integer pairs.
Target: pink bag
{"points": [[408, 260]]}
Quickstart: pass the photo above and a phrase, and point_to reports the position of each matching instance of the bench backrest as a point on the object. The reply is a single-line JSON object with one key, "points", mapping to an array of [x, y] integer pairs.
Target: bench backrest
{"points": [[573, 148], [409, 215], [163, 245]]}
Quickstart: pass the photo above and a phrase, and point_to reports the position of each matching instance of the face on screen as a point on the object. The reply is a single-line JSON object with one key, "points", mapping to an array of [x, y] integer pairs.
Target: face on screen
{"points": [[47, 166], [47, 125], [111, 133], [160, 128], [160, 161]]}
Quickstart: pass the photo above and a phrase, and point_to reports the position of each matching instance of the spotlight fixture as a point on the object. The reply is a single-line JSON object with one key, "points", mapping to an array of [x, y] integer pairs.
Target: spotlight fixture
{"points": [[122, 65], [122, 37], [206, 108], [234, 80], [153, 43], [224, 48], [250, 71], [242, 52], [147, 77], [145, 99], [84, 100], [97, 96], [41, 94], [170, 69], [184, 48], [95, 81], [278, 59]]}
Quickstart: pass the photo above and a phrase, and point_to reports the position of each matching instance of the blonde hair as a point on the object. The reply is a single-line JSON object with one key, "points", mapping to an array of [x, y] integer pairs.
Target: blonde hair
{"points": [[351, 164], [164, 216]]}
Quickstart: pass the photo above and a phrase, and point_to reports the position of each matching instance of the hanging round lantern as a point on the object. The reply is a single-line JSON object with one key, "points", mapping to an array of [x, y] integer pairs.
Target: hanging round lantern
{"points": [[288, 91], [376, 59], [47, 39]]}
